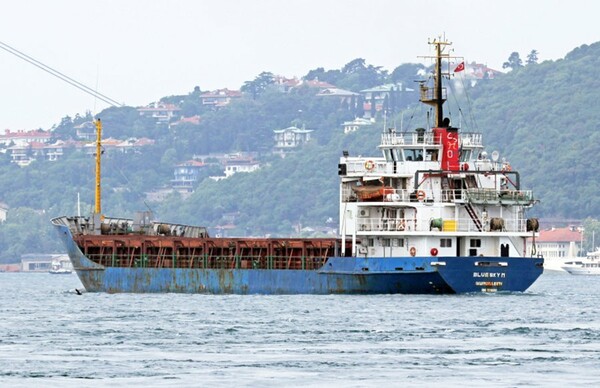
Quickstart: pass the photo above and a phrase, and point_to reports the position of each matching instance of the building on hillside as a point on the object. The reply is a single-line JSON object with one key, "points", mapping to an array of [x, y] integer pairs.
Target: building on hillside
{"points": [[186, 175], [235, 165], [86, 131], [23, 138], [163, 113], [560, 242], [475, 70], [356, 124], [126, 146], [377, 96], [193, 120], [289, 139], [133, 145], [108, 144], [219, 98], [344, 96], [55, 151], [23, 155], [284, 84]]}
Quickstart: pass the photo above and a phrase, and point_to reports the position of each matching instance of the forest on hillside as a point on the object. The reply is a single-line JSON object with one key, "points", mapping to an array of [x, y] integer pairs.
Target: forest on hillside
{"points": [[539, 116]]}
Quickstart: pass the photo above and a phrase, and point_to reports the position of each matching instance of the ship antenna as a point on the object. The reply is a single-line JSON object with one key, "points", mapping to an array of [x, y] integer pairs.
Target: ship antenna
{"points": [[98, 201]]}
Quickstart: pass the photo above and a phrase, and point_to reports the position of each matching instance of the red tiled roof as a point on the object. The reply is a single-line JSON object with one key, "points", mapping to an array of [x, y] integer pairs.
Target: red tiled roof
{"points": [[193, 120], [281, 80], [318, 84], [37, 145], [559, 235], [191, 163], [143, 141]]}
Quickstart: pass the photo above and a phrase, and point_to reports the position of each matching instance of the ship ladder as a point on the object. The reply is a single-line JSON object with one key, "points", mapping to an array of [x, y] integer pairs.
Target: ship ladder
{"points": [[473, 216]]}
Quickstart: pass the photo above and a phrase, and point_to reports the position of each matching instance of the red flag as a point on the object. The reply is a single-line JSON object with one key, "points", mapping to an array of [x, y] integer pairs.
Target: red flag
{"points": [[460, 67]]}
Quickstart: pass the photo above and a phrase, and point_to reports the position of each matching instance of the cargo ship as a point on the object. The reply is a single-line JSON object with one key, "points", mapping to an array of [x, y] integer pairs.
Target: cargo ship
{"points": [[432, 214]]}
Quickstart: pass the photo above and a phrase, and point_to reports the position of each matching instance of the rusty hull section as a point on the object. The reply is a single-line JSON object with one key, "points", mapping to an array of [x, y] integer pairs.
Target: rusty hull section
{"points": [[141, 251]]}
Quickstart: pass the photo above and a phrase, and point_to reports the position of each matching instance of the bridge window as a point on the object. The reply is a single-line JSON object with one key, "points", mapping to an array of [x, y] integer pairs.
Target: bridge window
{"points": [[465, 155], [413, 154], [445, 242], [431, 155], [388, 156]]}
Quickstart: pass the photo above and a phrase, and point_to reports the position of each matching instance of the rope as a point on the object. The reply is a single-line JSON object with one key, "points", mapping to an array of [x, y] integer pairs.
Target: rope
{"points": [[469, 103], [59, 75]]}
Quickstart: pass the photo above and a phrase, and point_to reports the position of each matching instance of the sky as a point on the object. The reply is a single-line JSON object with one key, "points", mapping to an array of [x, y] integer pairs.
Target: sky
{"points": [[136, 52]]}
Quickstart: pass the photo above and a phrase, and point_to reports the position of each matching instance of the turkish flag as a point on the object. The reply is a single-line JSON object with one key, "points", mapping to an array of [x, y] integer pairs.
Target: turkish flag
{"points": [[460, 67]]}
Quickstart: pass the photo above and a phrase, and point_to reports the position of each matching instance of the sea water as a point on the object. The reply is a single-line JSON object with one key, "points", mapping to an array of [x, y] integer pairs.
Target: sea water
{"points": [[51, 336]]}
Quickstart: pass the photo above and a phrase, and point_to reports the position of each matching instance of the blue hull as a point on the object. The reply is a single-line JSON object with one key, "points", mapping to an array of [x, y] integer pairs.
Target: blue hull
{"points": [[339, 275]]}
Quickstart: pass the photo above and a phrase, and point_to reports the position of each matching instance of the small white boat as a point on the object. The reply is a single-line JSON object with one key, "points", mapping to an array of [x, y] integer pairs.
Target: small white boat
{"points": [[585, 266], [558, 263], [58, 269]]}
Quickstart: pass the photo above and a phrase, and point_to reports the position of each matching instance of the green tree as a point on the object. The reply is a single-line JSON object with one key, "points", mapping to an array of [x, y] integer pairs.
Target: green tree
{"points": [[514, 62], [532, 57], [591, 233], [357, 75], [256, 87], [65, 129], [407, 73]]}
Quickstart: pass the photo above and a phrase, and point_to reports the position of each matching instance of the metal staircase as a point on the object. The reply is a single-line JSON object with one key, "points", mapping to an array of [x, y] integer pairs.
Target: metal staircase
{"points": [[473, 214]]}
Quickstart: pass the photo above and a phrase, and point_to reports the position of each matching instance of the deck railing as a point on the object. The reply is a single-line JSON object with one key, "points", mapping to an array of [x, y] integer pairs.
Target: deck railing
{"points": [[391, 138], [476, 196], [440, 225]]}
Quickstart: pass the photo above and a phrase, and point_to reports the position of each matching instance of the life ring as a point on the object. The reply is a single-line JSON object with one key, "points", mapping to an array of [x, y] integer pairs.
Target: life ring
{"points": [[434, 252], [506, 167], [369, 165], [420, 195], [465, 166], [413, 251]]}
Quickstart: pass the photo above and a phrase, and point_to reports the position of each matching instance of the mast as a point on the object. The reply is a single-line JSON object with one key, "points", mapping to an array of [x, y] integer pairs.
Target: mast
{"points": [[98, 201], [439, 112], [436, 96]]}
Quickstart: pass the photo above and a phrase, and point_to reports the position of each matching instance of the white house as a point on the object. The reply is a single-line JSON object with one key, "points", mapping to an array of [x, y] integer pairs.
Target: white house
{"points": [[233, 166], [290, 138], [354, 125]]}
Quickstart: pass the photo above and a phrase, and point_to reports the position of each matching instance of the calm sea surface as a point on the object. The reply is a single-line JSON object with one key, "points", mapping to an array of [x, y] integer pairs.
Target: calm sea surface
{"points": [[50, 336]]}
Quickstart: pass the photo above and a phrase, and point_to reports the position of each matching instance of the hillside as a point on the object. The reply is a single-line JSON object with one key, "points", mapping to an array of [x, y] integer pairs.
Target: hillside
{"points": [[540, 117], [543, 118]]}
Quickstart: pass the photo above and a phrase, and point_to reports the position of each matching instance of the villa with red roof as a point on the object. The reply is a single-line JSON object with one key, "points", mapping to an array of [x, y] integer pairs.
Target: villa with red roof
{"points": [[219, 97], [560, 242]]}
